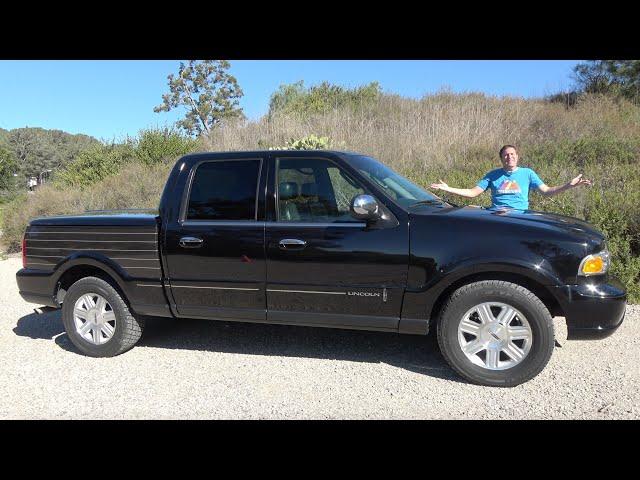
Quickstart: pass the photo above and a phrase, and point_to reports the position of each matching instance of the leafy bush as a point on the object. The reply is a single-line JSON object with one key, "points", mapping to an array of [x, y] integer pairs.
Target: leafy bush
{"points": [[152, 146], [297, 99], [94, 164], [310, 142], [162, 146]]}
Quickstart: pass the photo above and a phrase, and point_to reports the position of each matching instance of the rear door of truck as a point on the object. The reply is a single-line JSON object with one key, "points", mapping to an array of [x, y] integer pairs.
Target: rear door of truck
{"points": [[215, 250]]}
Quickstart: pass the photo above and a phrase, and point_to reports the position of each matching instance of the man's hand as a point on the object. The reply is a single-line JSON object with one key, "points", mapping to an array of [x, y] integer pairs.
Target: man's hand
{"points": [[439, 186], [576, 182]]}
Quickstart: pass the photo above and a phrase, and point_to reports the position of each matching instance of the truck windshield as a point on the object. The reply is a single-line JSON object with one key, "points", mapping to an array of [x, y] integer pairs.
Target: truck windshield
{"points": [[405, 192]]}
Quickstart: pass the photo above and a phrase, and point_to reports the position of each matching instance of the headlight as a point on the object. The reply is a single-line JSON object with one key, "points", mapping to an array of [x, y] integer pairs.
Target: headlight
{"points": [[595, 264]]}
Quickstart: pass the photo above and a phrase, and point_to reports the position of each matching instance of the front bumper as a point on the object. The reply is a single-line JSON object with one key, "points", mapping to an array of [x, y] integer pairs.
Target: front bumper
{"points": [[593, 310]]}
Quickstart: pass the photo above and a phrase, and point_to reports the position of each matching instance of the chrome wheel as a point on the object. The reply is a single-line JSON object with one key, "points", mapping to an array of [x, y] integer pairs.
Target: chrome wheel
{"points": [[94, 319], [495, 336]]}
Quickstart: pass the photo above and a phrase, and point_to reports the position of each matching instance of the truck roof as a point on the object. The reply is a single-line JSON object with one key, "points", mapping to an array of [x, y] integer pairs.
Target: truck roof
{"points": [[262, 152]]}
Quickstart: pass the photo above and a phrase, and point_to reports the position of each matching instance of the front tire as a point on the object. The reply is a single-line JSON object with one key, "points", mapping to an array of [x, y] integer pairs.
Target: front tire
{"points": [[495, 333], [97, 319]]}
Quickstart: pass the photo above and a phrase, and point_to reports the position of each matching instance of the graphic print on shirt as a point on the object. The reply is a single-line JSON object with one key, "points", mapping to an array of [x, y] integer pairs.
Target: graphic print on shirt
{"points": [[509, 186]]}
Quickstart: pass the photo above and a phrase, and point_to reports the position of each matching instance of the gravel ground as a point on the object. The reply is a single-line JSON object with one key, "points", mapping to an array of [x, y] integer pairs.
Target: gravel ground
{"points": [[213, 370]]}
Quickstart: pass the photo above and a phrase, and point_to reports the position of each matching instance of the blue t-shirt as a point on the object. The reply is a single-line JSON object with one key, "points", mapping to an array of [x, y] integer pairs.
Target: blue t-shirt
{"points": [[510, 190]]}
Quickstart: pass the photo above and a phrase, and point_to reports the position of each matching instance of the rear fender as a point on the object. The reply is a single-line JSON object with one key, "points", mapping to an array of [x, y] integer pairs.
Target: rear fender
{"points": [[99, 261]]}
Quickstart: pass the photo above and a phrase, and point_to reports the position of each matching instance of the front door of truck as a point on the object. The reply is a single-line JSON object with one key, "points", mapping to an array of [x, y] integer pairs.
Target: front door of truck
{"points": [[324, 267], [215, 252]]}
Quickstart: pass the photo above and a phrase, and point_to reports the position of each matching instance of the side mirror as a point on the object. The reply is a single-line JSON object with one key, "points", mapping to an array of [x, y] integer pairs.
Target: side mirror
{"points": [[365, 207]]}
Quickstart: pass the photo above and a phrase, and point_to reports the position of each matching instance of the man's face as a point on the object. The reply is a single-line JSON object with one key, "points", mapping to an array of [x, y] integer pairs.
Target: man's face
{"points": [[509, 158]]}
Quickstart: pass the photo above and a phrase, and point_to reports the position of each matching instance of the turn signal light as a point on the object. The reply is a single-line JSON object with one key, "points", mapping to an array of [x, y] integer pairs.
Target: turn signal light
{"points": [[594, 264]]}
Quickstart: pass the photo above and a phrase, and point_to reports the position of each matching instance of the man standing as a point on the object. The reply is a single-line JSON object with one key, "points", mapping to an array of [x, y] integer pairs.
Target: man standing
{"points": [[510, 184]]}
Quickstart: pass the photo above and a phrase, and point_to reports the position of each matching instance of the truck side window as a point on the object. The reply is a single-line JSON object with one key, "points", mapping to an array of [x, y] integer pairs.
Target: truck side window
{"points": [[314, 190], [224, 190]]}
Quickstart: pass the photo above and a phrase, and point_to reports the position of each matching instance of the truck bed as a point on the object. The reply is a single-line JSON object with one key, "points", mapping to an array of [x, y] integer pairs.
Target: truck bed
{"points": [[128, 238]]}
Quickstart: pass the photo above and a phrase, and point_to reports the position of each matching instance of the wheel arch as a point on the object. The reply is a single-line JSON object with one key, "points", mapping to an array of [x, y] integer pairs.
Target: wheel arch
{"points": [[87, 267], [537, 288]]}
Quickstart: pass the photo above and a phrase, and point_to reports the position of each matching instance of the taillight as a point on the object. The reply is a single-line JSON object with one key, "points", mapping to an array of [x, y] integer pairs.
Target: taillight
{"points": [[24, 251]]}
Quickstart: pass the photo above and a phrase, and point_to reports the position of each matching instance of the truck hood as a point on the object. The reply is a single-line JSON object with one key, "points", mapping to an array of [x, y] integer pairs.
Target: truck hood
{"points": [[575, 227]]}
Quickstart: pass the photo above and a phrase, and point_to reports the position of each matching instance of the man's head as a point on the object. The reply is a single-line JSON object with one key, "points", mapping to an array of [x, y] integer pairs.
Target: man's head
{"points": [[509, 157]]}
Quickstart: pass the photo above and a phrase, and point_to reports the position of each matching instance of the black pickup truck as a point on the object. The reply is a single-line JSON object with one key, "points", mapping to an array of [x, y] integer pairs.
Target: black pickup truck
{"points": [[326, 239]]}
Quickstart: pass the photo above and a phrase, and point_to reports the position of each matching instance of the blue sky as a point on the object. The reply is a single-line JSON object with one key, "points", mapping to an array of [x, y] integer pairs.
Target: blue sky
{"points": [[111, 99]]}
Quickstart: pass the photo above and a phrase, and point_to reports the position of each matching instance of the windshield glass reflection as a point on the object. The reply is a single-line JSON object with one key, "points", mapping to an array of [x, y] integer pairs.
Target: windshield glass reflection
{"points": [[402, 190]]}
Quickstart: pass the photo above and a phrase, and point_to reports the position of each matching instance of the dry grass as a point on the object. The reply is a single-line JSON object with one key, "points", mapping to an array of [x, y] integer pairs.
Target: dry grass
{"points": [[136, 186], [440, 129]]}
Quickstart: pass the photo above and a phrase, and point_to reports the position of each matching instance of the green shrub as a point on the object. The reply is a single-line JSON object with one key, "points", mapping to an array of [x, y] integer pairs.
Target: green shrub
{"points": [[162, 146], [310, 142], [296, 99], [607, 214], [152, 146], [94, 164]]}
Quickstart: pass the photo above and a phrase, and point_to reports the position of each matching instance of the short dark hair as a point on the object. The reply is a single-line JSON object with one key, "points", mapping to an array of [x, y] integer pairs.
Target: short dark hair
{"points": [[505, 147]]}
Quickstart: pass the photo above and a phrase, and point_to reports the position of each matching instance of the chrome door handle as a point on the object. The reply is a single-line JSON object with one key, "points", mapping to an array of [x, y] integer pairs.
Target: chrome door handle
{"points": [[292, 244], [190, 242]]}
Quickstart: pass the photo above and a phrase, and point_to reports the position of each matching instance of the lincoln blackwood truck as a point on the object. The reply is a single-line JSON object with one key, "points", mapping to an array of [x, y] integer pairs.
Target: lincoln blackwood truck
{"points": [[326, 239]]}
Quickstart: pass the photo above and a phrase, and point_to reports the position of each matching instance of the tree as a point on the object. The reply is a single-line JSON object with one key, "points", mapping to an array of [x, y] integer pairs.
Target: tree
{"points": [[37, 149], [8, 166], [209, 94], [618, 77], [22, 141]]}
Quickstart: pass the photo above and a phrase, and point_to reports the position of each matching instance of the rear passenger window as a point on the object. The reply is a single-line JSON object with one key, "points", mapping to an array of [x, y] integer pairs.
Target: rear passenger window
{"points": [[224, 190]]}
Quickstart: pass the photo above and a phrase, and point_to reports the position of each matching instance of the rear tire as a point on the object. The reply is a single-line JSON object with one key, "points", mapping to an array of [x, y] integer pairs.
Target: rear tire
{"points": [[97, 319], [495, 333]]}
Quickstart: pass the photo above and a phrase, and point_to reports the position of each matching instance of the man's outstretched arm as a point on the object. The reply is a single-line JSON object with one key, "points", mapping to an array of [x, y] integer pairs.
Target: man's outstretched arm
{"points": [[463, 192], [576, 182]]}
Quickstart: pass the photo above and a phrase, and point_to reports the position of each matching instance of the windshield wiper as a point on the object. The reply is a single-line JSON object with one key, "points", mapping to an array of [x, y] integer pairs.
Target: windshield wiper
{"points": [[428, 202]]}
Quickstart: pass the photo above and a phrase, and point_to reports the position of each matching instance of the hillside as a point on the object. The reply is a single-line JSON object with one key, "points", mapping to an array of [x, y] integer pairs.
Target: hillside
{"points": [[453, 137]]}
